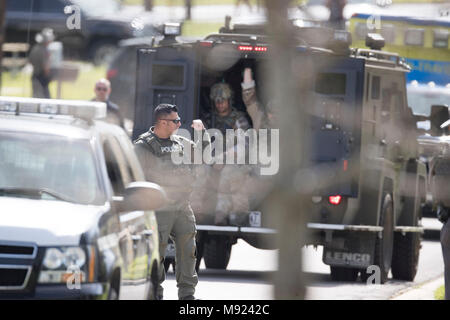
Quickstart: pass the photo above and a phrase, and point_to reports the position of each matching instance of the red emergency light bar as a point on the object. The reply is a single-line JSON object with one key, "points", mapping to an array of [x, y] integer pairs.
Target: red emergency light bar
{"points": [[251, 48], [261, 49], [245, 48], [336, 200]]}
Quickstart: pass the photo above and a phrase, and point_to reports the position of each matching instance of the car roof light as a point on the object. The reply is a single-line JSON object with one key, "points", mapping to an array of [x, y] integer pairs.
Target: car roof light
{"points": [[87, 110], [336, 200], [343, 36], [112, 73], [206, 43], [261, 49], [245, 48], [374, 41], [172, 29], [8, 106]]}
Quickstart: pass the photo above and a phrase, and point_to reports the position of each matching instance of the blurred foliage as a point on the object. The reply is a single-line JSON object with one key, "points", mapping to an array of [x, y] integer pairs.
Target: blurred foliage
{"points": [[19, 83], [439, 294]]}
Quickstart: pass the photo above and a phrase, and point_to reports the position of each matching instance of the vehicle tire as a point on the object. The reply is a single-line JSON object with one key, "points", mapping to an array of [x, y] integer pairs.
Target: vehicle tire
{"points": [[102, 52], [153, 284], [113, 294], [168, 263], [384, 247], [217, 252], [406, 256], [344, 274]]}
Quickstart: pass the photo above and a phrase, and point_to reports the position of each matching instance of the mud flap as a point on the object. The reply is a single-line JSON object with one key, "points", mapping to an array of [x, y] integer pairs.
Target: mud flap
{"points": [[354, 249]]}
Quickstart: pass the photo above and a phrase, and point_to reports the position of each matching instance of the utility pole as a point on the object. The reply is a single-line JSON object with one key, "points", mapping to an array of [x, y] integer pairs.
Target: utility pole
{"points": [[2, 35], [286, 203], [188, 6], [148, 5]]}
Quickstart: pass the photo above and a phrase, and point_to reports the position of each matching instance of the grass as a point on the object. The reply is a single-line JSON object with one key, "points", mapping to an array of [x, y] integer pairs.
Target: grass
{"points": [[191, 28], [19, 84], [439, 294]]}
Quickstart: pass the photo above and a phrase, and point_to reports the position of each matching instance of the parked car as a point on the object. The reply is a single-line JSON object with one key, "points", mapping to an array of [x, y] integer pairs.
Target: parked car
{"points": [[77, 219], [102, 25]]}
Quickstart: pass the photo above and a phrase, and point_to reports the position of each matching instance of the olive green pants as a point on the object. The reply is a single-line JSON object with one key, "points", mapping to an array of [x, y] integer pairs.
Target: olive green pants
{"points": [[181, 226]]}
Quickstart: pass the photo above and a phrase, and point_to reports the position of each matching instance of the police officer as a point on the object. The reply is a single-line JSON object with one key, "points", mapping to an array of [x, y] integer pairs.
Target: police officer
{"points": [[102, 92], [40, 60], [154, 150], [240, 187], [224, 116]]}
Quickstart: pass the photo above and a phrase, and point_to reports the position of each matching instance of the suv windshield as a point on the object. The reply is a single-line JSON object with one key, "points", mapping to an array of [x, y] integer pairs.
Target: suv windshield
{"points": [[48, 167]]}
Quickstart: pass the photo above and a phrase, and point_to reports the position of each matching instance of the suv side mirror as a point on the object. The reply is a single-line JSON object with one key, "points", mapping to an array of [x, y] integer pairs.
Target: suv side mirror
{"points": [[142, 196]]}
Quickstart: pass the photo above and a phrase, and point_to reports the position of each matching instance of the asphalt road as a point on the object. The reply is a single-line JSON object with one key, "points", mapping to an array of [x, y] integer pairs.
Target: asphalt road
{"points": [[249, 274]]}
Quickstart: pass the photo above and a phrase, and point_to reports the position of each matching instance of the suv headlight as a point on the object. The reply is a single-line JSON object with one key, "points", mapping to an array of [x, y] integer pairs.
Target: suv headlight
{"points": [[53, 259], [74, 257], [63, 264]]}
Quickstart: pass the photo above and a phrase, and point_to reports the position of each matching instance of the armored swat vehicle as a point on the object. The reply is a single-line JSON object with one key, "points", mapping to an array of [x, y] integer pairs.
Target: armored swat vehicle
{"points": [[366, 203]]}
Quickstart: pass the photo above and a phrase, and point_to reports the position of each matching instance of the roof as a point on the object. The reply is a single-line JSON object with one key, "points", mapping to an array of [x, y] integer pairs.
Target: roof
{"points": [[64, 126]]}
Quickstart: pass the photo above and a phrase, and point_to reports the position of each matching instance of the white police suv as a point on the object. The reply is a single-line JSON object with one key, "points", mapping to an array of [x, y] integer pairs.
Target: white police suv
{"points": [[76, 218]]}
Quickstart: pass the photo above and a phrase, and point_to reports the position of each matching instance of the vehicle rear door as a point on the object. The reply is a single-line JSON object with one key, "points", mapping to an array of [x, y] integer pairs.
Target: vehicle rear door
{"points": [[165, 75], [336, 124]]}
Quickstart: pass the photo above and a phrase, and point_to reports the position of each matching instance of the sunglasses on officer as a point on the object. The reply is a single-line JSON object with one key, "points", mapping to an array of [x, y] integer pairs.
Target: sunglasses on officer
{"points": [[101, 89], [176, 121]]}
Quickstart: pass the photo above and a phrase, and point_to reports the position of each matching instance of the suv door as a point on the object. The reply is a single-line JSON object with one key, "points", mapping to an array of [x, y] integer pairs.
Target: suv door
{"points": [[165, 75], [132, 241]]}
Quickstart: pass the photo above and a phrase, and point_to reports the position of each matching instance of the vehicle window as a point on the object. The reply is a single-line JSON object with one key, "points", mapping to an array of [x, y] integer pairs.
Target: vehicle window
{"points": [[388, 33], [331, 83], [50, 6], [18, 5], [167, 75], [375, 91], [440, 38], [117, 166], [63, 168], [133, 163], [127, 164], [414, 37], [386, 103]]}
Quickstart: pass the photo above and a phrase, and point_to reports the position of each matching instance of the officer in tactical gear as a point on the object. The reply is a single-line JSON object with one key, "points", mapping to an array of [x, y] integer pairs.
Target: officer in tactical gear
{"points": [[154, 150], [240, 186], [224, 115]]}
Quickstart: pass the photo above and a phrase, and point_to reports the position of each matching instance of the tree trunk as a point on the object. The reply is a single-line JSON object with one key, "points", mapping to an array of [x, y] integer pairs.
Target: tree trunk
{"points": [[148, 5], [188, 6], [285, 203]]}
